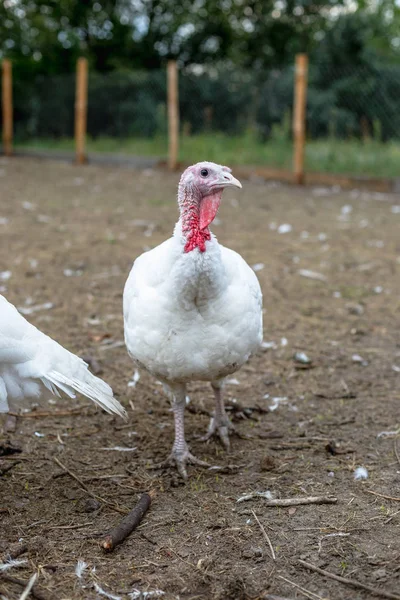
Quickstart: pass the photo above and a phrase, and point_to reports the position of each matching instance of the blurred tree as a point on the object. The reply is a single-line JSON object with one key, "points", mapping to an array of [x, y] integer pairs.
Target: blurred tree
{"points": [[49, 34]]}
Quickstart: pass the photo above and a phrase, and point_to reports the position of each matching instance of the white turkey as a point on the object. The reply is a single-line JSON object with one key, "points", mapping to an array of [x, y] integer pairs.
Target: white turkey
{"points": [[31, 362], [193, 308]]}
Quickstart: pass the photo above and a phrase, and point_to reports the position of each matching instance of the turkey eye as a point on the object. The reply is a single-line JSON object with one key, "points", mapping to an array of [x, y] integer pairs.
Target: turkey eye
{"points": [[204, 172]]}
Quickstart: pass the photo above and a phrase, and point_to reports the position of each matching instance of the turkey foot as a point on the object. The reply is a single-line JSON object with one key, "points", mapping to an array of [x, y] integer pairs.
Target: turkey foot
{"points": [[220, 427], [180, 458]]}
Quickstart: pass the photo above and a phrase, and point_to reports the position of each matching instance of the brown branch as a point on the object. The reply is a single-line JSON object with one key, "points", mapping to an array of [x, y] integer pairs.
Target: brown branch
{"points": [[119, 533], [35, 592], [288, 501], [383, 496], [352, 582], [300, 501]]}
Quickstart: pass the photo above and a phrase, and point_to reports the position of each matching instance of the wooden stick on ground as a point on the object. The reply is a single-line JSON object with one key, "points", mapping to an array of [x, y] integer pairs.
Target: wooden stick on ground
{"points": [[119, 533], [35, 592], [362, 586], [394, 498], [300, 501], [265, 535], [288, 501]]}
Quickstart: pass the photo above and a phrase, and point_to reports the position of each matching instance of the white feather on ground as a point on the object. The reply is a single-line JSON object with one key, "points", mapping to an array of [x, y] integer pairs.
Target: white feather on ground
{"points": [[10, 564], [30, 361], [81, 566]]}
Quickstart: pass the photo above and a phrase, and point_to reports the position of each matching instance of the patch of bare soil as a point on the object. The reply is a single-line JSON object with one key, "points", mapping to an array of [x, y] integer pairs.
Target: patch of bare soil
{"points": [[329, 264]]}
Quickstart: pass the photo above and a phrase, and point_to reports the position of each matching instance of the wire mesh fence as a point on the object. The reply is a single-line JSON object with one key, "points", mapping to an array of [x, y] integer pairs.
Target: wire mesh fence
{"points": [[226, 115], [353, 119]]}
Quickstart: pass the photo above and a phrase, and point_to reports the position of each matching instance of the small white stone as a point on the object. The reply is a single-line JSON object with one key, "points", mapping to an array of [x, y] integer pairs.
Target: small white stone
{"points": [[285, 228]]}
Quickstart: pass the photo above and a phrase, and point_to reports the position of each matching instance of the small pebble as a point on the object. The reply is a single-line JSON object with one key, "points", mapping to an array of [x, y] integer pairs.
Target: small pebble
{"points": [[302, 357], [267, 463], [91, 505]]}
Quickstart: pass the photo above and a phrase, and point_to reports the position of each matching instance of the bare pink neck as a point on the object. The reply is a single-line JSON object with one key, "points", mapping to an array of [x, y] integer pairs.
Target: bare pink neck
{"points": [[194, 236]]}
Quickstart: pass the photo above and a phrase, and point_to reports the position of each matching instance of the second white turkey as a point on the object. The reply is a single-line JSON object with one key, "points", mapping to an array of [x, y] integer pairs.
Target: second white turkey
{"points": [[31, 363]]}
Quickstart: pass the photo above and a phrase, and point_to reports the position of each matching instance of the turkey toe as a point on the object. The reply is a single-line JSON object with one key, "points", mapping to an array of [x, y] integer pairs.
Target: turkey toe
{"points": [[220, 429], [180, 460]]}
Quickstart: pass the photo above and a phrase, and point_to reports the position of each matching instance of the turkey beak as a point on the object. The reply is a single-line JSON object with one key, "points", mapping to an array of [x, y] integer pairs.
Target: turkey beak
{"points": [[228, 180]]}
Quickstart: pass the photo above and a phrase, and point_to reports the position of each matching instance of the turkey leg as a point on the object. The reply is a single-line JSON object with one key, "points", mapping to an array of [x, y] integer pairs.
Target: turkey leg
{"points": [[180, 455], [220, 423]]}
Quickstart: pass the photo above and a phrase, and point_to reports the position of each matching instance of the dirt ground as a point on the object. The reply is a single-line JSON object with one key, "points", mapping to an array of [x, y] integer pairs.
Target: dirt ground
{"points": [[69, 236]]}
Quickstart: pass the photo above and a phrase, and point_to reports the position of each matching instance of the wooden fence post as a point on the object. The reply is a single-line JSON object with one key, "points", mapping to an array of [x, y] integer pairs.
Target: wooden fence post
{"points": [[81, 109], [299, 116], [7, 107], [173, 114]]}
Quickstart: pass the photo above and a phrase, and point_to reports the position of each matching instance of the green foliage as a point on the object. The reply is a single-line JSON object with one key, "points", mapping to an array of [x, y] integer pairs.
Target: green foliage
{"points": [[47, 36]]}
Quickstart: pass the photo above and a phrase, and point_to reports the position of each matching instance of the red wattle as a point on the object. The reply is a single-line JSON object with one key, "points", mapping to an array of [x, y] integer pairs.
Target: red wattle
{"points": [[208, 209]]}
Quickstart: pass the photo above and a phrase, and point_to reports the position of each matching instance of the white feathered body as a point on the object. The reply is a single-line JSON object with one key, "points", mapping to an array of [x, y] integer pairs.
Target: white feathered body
{"points": [[31, 362], [191, 315]]}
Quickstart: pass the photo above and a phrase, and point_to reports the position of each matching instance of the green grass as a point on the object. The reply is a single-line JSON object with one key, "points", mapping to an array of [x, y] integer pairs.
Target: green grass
{"points": [[351, 157]]}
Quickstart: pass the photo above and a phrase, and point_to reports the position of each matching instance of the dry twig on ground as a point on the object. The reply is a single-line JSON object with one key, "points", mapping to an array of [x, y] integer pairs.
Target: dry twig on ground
{"points": [[394, 498], [288, 501], [307, 593], [119, 533], [362, 586], [265, 535]]}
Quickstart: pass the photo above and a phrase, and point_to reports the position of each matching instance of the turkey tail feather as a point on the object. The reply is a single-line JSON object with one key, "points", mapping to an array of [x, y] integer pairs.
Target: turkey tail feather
{"points": [[90, 386]]}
